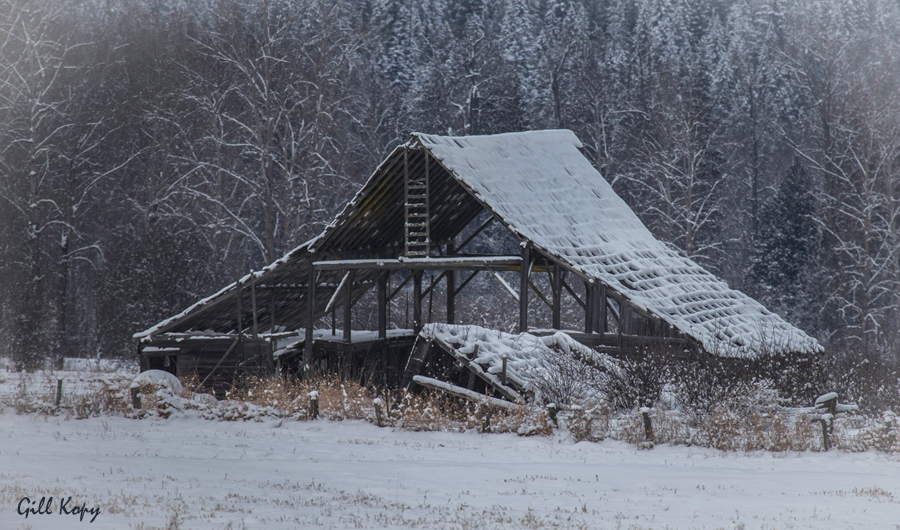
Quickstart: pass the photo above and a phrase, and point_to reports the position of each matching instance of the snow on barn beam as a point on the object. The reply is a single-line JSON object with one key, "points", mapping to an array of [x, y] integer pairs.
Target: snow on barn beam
{"points": [[549, 196]]}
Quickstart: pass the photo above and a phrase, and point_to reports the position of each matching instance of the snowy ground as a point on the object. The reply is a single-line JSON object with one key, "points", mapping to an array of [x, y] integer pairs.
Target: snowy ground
{"points": [[215, 474]]}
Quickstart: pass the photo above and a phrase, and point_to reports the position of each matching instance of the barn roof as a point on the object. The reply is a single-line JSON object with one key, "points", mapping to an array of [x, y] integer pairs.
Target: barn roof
{"points": [[540, 186]]}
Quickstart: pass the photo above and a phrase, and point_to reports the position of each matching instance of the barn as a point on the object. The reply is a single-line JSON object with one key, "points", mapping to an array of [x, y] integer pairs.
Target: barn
{"points": [[415, 219]]}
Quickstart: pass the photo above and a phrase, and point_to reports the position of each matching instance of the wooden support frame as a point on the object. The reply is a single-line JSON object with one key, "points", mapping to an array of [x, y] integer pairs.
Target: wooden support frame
{"points": [[272, 295], [310, 313], [540, 294], [589, 305], [382, 303], [451, 288], [397, 290], [240, 314], [430, 263], [602, 325], [556, 287], [433, 283], [417, 301], [572, 292], [465, 282], [348, 307], [523, 288], [253, 305], [475, 233]]}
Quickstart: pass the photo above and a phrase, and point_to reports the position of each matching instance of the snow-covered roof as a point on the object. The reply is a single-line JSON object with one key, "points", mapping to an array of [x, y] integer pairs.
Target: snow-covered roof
{"points": [[548, 194], [541, 186]]}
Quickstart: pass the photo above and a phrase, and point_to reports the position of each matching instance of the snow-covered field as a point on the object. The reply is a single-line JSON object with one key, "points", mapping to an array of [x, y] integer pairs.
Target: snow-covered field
{"points": [[193, 473]]}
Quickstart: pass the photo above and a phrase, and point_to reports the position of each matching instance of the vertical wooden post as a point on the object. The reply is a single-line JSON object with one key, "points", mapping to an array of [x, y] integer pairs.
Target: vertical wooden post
{"points": [[417, 301], [255, 323], [272, 293], [379, 415], [602, 327], [648, 427], [620, 323], [451, 289], [471, 383], [314, 404], [485, 417], [240, 314], [58, 392], [348, 305], [589, 305], [310, 312], [382, 304], [626, 317], [503, 371], [557, 296], [523, 288], [136, 398]]}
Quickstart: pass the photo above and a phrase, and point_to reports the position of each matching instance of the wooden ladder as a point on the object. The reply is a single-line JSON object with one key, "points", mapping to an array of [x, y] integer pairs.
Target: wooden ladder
{"points": [[418, 242]]}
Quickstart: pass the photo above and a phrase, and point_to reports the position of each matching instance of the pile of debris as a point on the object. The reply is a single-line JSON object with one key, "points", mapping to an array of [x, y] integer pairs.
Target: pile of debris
{"points": [[504, 368]]}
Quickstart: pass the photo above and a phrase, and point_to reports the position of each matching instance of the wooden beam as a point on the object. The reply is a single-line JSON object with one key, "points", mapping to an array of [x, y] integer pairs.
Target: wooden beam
{"points": [[458, 391], [218, 364], [253, 305], [523, 288], [602, 328], [430, 263], [475, 233], [348, 306], [397, 290], [556, 287], [465, 282], [417, 301], [571, 292], [272, 295], [240, 315], [382, 304], [540, 294], [434, 283], [337, 291], [310, 314], [589, 306], [451, 288]]}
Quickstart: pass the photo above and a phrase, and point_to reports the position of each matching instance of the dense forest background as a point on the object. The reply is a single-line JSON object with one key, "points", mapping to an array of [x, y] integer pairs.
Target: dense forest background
{"points": [[151, 148]]}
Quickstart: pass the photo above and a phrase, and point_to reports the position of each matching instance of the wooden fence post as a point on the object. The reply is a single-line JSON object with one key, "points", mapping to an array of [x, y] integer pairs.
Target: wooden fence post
{"points": [[826, 428], [58, 392], [379, 415], [648, 427], [314, 404], [136, 398], [485, 418], [553, 410]]}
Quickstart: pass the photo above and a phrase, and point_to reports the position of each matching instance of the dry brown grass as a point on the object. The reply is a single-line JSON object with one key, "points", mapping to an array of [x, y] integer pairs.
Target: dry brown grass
{"points": [[348, 400], [82, 397], [728, 426]]}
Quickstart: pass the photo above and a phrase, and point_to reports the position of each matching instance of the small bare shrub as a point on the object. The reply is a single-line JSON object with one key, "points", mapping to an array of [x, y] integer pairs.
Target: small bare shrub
{"points": [[640, 381], [770, 431], [564, 378], [589, 423], [524, 421], [880, 434]]}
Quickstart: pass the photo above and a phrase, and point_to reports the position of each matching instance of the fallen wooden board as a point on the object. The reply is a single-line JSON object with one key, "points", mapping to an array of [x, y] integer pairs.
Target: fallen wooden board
{"points": [[459, 391]]}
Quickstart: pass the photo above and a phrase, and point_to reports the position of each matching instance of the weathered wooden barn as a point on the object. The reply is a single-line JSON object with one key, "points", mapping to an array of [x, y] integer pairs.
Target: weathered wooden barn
{"points": [[417, 213]]}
